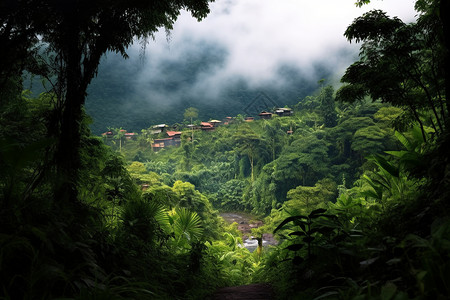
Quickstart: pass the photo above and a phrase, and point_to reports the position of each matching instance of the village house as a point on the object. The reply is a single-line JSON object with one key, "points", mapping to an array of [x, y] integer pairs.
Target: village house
{"points": [[108, 134], [206, 126], [157, 129], [193, 127], [265, 115], [174, 139], [131, 135], [215, 123], [249, 119], [128, 135], [284, 112], [174, 134], [227, 120], [166, 142]]}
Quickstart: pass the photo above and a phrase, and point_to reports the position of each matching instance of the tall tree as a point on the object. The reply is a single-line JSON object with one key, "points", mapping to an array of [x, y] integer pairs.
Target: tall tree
{"points": [[78, 33], [251, 144], [274, 135], [327, 106], [436, 15], [191, 113], [403, 64], [304, 199]]}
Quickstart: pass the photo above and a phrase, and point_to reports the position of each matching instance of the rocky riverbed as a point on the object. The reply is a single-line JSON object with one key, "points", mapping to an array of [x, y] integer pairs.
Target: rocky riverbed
{"points": [[245, 224]]}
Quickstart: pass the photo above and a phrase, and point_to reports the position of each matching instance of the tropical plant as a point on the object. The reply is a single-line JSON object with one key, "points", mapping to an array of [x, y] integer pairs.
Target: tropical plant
{"points": [[250, 144], [144, 220], [310, 229], [187, 227]]}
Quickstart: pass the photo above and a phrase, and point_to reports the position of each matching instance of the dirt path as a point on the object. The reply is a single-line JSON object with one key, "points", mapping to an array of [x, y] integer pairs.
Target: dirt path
{"points": [[244, 292]]}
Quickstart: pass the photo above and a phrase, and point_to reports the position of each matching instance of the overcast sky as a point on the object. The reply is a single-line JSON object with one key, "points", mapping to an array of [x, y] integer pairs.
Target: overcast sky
{"points": [[260, 35], [255, 38]]}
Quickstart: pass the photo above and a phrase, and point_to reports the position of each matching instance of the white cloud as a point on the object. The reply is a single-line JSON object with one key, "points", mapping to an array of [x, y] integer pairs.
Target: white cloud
{"points": [[259, 36]]}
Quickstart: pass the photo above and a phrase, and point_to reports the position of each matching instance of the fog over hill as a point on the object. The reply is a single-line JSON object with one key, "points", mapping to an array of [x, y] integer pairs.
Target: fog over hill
{"points": [[242, 50], [119, 97]]}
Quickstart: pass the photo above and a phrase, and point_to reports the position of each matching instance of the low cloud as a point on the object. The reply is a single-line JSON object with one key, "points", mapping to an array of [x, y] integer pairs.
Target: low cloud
{"points": [[257, 44]]}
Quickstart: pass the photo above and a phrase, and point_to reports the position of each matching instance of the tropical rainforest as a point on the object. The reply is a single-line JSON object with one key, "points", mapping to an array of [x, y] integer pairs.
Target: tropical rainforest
{"points": [[353, 185]]}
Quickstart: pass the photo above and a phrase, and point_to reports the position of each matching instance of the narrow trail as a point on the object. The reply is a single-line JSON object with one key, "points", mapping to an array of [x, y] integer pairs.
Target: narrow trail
{"points": [[256, 291]]}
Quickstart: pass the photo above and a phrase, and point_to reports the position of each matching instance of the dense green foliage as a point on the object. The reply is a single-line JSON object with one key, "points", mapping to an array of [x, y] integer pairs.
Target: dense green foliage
{"points": [[116, 241], [253, 165], [356, 191]]}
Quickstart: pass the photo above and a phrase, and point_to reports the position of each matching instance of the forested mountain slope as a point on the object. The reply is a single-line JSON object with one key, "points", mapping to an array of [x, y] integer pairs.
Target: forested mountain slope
{"points": [[120, 97], [253, 165]]}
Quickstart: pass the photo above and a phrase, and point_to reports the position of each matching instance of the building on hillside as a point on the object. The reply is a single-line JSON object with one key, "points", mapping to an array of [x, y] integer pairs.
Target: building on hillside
{"points": [[249, 119], [173, 140], [193, 127], [227, 121], [215, 123], [158, 144], [265, 115], [284, 111], [174, 134], [108, 134], [131, 135], [157, 129], [206, 126]]}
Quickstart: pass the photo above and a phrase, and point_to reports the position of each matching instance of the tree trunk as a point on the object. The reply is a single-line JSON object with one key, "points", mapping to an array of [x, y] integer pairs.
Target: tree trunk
{"points": [[251, 166], [67, 153], [445, 20], [416, 116]]}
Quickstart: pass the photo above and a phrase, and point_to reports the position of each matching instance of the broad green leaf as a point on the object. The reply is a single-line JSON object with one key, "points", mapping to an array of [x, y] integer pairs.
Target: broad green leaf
{"points": [[315, 212], [287, 220], [370, 194], [405, 142], [383, 163], [297, 233]]}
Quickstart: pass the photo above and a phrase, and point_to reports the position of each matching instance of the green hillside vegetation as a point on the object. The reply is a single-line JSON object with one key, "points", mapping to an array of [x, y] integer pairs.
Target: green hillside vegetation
{"points": [[354, 184], [115, 99], [261, 161]]}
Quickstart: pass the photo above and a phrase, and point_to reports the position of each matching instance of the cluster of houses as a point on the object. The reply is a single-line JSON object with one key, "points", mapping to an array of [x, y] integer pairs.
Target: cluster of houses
{"points": [[127, 135], [173, 138]]}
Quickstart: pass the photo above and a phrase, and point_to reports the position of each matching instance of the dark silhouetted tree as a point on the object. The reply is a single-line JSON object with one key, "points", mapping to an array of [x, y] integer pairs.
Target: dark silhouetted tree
{"points": [[77, 33]]}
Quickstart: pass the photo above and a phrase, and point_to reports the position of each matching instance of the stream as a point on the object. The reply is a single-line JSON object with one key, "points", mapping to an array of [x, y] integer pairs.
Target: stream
{"points": [[245, 224]]}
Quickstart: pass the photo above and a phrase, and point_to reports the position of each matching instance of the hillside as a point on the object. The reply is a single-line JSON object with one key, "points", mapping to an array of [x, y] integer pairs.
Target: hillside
{"points": [[118, 97]]}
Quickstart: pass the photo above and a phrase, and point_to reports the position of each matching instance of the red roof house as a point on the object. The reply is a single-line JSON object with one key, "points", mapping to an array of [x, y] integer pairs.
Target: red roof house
{"points": [[174, 134], [265, 115], [130, 135], [162, 143], [206, 126]]}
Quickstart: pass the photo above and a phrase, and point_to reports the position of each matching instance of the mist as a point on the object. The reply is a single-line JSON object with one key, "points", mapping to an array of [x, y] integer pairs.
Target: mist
{"points": [[280, 48]]}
